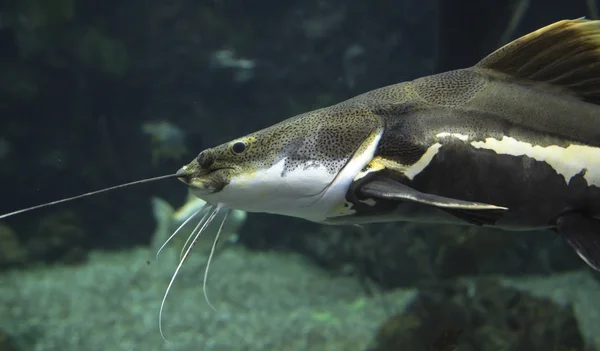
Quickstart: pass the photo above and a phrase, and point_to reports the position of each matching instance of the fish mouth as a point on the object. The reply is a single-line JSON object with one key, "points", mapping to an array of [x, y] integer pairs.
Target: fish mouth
{"points": [[204, 181], [187, 173]]}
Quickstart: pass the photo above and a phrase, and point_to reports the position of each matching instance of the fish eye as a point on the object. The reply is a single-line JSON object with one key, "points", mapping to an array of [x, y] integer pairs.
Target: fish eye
{"points": [[238, 147]]}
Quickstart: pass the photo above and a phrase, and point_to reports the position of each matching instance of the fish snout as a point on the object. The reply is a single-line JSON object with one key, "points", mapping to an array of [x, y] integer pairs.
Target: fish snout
{"points": [[183, 175]]}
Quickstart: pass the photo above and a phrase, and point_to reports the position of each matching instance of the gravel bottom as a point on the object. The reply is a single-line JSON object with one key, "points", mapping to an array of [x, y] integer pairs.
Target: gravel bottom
{"points": [[263, 301]]}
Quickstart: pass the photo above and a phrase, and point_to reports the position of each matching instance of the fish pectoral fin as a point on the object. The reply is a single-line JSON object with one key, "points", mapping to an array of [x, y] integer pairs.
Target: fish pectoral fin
{"points": [[391, 189], [477, 217], [583, 234]]}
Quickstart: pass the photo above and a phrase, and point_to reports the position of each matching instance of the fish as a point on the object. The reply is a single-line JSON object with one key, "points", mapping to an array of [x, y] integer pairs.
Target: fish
{"points": [[512, 142], [168, 140]]}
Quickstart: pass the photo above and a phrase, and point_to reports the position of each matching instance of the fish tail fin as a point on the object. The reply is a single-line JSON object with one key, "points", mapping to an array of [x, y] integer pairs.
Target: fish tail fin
{"points": [[163, 212], [565, 55]]}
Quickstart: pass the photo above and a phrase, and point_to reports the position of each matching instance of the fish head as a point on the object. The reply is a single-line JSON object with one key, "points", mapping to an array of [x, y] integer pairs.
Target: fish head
{"points": [[300, 167]]}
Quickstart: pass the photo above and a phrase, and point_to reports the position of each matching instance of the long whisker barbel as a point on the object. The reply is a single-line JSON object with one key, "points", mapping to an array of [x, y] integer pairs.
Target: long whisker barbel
{"points": [[88, 194], [199, 229], [180, 227], [210, 257]]}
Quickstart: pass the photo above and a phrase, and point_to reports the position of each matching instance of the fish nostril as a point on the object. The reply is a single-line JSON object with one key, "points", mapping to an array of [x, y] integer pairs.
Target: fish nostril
{"points": [[204, 160]]}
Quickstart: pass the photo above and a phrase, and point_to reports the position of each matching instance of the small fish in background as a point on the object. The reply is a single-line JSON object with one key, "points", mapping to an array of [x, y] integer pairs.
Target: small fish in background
{"points": [[168, 219], [168, 140], [242, 68]]}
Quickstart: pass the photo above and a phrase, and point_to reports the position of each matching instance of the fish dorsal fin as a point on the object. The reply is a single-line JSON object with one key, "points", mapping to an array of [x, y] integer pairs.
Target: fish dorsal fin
{"points": [[565, 54]]}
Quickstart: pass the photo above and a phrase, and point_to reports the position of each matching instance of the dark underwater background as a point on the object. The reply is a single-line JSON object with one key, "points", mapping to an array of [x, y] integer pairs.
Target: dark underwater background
{"points": [[97, 93]]}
